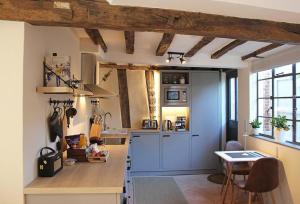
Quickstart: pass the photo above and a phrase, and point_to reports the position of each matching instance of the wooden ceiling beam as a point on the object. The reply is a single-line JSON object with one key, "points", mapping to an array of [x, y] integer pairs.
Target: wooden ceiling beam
{"points": [[202, 43], [128, 66], [100, 14], [164, 44], [227, 48], [129, 41], [96, 37], [261, 50]]}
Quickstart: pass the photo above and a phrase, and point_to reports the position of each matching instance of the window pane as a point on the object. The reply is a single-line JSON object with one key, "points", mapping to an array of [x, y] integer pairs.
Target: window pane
{"points": [[298, 84], [266, 127], [283, 86], [298, 67], [289, 134], [298, 132], [265, 88], [265, 74], [232, 98], [283, 107], [284, 70], [298, 109], [265, 107]]}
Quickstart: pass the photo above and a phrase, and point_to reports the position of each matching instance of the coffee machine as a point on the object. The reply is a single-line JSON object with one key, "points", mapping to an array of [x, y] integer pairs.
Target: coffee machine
{"points": [[180, 124]]}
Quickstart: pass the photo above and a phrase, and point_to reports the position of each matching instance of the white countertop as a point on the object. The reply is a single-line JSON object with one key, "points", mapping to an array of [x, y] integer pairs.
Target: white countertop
{"points": [[85, 177]]}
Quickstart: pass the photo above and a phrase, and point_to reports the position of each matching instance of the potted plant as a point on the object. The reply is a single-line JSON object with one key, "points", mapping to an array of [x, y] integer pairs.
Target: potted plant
{"points": [[281, 126], [255, 124]]}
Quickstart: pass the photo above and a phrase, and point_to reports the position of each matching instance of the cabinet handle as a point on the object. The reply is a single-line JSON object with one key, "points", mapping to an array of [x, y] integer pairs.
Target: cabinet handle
{"points": [[136, 136], [166, 135], [195, 135]]}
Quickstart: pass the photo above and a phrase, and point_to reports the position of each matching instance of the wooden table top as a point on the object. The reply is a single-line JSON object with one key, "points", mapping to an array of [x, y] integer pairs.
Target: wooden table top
{"points": [[241, 156]]}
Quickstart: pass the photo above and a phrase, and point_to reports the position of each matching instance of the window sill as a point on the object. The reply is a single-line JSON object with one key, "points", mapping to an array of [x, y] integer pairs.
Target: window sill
{"points": [[286, 144]]}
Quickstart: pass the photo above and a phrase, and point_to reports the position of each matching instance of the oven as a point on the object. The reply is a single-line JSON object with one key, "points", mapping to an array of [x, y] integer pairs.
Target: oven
{"points": [[176, 96]]}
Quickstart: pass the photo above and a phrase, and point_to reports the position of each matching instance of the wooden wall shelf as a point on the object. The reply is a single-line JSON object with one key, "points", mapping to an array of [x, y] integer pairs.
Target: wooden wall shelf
{"points": [[63, 90]]}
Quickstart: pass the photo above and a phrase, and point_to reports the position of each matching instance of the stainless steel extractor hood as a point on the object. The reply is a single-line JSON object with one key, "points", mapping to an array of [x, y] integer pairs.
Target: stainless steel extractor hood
{"points": [[88, 75]]}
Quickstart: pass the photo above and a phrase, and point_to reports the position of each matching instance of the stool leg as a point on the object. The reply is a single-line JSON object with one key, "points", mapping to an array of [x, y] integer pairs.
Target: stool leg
{"points": [[233, 195], [273, 199], [249, 198]]}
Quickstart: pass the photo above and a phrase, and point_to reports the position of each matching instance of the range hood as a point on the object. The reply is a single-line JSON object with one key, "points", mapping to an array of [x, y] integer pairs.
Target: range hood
{"points": [[88, 76]]}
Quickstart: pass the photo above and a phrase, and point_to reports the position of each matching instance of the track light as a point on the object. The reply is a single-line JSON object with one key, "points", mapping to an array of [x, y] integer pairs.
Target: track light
{"points": [[178, 55], [182, 60]]}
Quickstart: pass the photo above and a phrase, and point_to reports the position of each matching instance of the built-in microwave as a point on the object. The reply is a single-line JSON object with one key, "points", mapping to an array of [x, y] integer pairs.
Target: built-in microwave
{"points": [[174, 95]]}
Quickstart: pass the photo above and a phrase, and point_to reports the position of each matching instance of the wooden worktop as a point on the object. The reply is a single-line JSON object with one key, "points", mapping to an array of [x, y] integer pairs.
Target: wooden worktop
{"points": [[85, 177]]}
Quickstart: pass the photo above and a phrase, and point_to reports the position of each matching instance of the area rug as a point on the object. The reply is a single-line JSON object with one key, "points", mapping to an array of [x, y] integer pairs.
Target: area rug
{"points": [[216, 178], [157, 190]]}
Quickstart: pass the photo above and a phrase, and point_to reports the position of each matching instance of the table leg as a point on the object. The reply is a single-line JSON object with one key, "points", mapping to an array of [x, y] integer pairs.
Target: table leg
{"points": [[229, 167]]}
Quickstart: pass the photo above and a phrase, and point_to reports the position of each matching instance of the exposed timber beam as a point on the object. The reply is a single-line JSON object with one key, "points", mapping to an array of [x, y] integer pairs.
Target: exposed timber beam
{"points": [[227, 48], [164, 44], [261, 50], [96, 37], [202, 43], [100, 14], [124, 98], [128, 66], [129, 41]]}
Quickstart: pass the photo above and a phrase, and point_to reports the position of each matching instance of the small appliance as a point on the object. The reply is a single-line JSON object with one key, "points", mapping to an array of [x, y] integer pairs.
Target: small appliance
{"points": [[149, 124], [180, 124], [49, 164], [167, 125], [175, 95]]}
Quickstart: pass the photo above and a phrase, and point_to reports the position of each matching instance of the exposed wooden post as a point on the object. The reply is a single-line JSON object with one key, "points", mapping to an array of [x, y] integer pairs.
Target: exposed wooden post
{"points": [[149, 75], [96, 37], [124, 98], [129, 41], [202, 43], [164, 44], [227, 48], [261, 50]]}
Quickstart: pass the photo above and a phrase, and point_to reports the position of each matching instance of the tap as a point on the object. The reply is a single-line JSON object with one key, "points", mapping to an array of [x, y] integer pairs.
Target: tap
{"points": [[104, 120]]}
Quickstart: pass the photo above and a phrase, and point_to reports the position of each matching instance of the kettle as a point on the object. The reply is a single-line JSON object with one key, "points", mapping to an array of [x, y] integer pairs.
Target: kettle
{"points": [[167, 125]]}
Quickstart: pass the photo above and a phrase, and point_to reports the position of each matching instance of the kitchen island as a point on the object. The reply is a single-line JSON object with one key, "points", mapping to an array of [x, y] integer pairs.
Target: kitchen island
{"points": [[84, 182]]}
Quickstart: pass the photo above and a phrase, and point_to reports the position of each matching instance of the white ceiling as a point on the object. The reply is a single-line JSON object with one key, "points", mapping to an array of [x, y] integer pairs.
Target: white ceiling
{"points": [[277, 10], [146, 44]]}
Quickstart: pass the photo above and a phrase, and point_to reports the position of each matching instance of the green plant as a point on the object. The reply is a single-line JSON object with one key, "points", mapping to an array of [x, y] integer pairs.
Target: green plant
{"points": [[255, 124], [280, 122]]}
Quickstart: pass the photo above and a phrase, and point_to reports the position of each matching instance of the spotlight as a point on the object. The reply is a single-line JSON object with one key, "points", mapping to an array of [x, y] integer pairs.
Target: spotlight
{"points": [[169, 59], [178, 55], [182, 60]]}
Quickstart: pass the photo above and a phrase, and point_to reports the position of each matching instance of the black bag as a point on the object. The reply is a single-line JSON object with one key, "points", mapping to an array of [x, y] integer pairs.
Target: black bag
{"points": [[49, 164]]}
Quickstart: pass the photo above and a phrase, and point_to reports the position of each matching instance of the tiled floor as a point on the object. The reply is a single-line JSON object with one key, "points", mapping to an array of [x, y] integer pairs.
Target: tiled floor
{"points": [[198, 190]]}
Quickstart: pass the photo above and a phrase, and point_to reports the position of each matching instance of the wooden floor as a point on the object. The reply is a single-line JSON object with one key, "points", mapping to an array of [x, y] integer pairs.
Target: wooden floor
{"points": [[198, 190]]}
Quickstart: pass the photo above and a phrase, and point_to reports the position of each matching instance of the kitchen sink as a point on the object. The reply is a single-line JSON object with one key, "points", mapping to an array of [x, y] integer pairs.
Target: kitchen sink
{"points": [[114, 141]]}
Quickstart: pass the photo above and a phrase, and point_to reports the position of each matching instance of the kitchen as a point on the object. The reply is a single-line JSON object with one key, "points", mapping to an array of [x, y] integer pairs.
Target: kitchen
{"points": [[156, 110]]}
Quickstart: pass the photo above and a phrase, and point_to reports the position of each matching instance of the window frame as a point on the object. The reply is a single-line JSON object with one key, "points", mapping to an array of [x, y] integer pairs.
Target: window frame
{"points": [[294, 98]]}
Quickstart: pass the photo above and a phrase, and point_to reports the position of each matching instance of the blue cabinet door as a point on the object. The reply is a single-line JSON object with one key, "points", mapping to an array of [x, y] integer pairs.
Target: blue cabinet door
{"points": [[175, 151], [145, 152], [205, 120]]}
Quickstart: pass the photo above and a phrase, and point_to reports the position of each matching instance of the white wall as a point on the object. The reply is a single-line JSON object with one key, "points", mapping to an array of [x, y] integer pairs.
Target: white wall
{"points": [[39, 42], [137, 93], [11, 109], [288, 191]]}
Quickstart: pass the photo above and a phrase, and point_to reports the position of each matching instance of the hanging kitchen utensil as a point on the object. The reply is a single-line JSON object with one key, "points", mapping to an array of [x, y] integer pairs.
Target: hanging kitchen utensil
{"points": [[55, 124], [70, 113]]}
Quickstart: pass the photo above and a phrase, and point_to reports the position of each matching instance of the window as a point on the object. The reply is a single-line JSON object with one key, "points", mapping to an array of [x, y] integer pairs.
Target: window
{"points": [[278, 93], [232, 99]]}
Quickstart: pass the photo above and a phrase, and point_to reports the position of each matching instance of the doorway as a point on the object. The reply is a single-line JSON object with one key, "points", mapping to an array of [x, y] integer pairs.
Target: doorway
{"points": [[232, 105]]}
